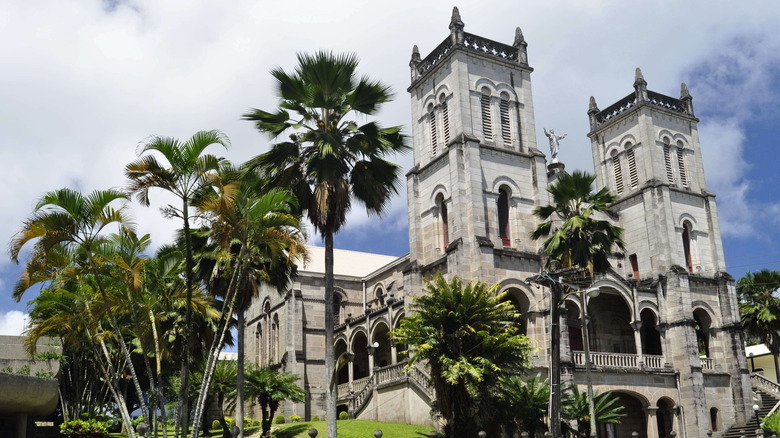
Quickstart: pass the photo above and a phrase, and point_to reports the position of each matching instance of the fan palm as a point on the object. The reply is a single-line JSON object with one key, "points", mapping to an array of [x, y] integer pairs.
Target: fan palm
{"points": [[580, 240], [329, 158], [471, 341], [270, 388], [524, 403], [575, 408], [188, 170], [67, 222], [759, 307]]}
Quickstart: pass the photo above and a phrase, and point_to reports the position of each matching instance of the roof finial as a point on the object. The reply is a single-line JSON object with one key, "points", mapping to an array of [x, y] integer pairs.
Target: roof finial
{"points": [[638, 78], [455, 20], [522, 47], [592, 107], [519, 37], [684, 91], [414, 62]]}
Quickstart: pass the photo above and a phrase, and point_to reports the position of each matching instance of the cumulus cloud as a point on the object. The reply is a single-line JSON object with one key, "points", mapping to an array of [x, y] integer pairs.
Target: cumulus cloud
{"points": [[86, 81], [13, 323]]}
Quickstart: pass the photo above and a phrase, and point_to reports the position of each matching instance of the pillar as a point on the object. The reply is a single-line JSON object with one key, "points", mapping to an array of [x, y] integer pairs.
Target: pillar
{"points": [[637, 326], [393, 353], [652, 421], [371, 360]]}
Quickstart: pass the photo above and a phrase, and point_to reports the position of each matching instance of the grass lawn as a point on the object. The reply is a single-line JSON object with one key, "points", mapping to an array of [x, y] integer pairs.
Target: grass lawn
{"points": [[352, 429]]}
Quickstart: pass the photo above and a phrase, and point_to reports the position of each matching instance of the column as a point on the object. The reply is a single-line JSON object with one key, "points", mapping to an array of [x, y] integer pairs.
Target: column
{"points": [[637, 326], [371, 360], [393, 353], [651, 421]]}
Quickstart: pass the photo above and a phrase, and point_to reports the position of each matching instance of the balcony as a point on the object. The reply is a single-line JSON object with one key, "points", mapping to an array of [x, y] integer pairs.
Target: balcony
{"points": [[619, 360]]}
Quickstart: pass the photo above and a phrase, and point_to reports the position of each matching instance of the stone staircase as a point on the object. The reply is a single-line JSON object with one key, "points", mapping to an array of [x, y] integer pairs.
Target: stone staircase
{"points": [[770, 399]]}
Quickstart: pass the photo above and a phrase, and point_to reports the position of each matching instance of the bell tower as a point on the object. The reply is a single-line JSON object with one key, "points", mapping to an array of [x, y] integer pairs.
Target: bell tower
{"points": [[646, 150], [477, 171]]}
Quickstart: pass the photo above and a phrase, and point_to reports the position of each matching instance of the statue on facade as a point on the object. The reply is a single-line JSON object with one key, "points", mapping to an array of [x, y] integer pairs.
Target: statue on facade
{"points": [[554, 143]]}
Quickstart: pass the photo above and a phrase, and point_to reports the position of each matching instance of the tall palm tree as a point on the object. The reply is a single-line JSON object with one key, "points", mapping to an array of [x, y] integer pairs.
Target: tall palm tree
{"points": [[575, 408], [574, 237], [262, 237], [329, 157], [188, 170], [759, 307], [67, 221], [471, 341]]}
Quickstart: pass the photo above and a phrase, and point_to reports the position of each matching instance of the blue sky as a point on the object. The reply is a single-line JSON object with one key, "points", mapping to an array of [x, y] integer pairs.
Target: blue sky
{"points": [[85, 81]]}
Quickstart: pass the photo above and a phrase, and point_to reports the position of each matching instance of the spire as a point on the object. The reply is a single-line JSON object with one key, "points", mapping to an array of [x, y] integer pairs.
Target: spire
{"points": [[686, 99], [640, 85], [456, 27], [414, 62], [593, 109], [522, 46]]}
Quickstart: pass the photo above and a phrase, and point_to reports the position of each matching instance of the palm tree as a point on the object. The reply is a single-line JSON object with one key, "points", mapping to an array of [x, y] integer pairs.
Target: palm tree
{"points": [[575, 408], [471, 341], [189, 169], [759, 307], [270, 388], [329, 157], [580, 240], [67, 222], [523, 404], [261, 237]]}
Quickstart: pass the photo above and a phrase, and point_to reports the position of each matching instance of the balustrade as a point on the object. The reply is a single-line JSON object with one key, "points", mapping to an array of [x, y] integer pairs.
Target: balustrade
{"points": [[707, 363]]}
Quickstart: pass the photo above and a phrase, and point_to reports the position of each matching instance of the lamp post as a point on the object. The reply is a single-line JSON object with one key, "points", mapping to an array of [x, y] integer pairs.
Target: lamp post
{"points": [[592, 292], [758, 421]]}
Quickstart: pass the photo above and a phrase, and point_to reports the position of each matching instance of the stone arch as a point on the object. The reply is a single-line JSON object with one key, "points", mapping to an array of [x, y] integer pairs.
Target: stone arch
{"points": [[503, 214], [611, 317], [359, 347], [339, 305], [484, 84], [649, 334], [340, 347], [380, 334], [665, 136], [703, 321], [380, 294], [443, 90], [612, 149], [634, 406], [665, 417], [504, 88], [607, 285], [399, 348], [518, 298], [505, 181], [521, 286], [628, 140], [439, 189]]}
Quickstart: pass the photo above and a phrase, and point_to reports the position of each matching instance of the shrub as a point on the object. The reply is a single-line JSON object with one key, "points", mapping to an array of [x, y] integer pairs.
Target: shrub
{"points": [[315, 418], [343, 415], [279, 419], [772, 423], [84, 429], [295, 418], [216, 425], [230, 422]]}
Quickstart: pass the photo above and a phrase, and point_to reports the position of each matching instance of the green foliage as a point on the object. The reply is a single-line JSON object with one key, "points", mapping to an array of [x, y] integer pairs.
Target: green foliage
{"points": [[84, 429], [279, 419], [343, 415], [523, 404], [353, 429], [48, 355], [216, 425], [24, 370], [9, 369], [760, 307], [575, 408], [44, 374], [230, 422], [295, 418], [315, 418], [771, 423], [581, 240], [471, 341]]}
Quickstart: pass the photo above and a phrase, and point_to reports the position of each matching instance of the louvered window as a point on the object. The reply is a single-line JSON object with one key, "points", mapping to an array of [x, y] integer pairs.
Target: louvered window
{"points": [[668, 163], [681, 166], [618, 174], [434, 137], [445, 119], [487, 123], [506, 132], [632, 175]]}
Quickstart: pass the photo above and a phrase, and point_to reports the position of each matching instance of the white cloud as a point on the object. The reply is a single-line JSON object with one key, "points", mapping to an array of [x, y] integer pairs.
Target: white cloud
{"points": [[13, 323], [84, 86]]}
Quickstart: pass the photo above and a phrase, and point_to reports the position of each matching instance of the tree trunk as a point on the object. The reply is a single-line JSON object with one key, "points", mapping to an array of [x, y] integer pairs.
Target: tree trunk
{"points": [[182, 420], [330, 389], [240, 374]]}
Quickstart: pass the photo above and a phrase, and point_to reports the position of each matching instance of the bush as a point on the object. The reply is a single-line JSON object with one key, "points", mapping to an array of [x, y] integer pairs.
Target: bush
{"points": [[84, 429], [295, 418], [216, 425], [343, 415], [230, 422], [315, 418], [772, 423], [279, 419]]}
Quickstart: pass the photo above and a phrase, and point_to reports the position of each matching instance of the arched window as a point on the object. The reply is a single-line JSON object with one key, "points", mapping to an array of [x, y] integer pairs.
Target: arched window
{"points": [[503, 215], [681, 164], [633, 177], [634, 266], [434, 133], [336, 309], [686, 238], [259, 343], [445, 119], [714, 419], [618, 172], [487, 120], [703, 321], [668, 160], [379, 294], [275, 328], [506, 131], [444, 218]]}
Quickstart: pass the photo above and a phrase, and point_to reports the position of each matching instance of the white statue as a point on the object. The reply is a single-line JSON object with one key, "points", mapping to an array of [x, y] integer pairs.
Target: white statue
{"points": [[554, 143]]}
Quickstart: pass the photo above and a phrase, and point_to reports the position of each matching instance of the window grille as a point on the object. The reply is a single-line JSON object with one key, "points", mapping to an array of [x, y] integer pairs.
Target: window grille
{"points": [[681, 166], [434, 137], [632, 175], [618, 174], [506, 132], [445, 119], [487, 123], [668, 163]]}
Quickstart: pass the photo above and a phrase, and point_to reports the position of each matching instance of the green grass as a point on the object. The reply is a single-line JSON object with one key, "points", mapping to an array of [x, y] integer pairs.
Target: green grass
{"points": [[353, 429]]}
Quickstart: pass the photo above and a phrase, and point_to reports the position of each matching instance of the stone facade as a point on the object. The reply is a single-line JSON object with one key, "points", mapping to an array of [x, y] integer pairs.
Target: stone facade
{"points": [[664, 329]]}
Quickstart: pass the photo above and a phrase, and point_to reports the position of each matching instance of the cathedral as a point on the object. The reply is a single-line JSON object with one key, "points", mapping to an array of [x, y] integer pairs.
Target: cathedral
{"points": [[664, 329]]}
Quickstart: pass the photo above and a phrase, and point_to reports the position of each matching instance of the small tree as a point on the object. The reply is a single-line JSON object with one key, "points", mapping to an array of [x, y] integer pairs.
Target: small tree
{"points": [[575, 408], [471, 341], [270, 388], [759, 307]]}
